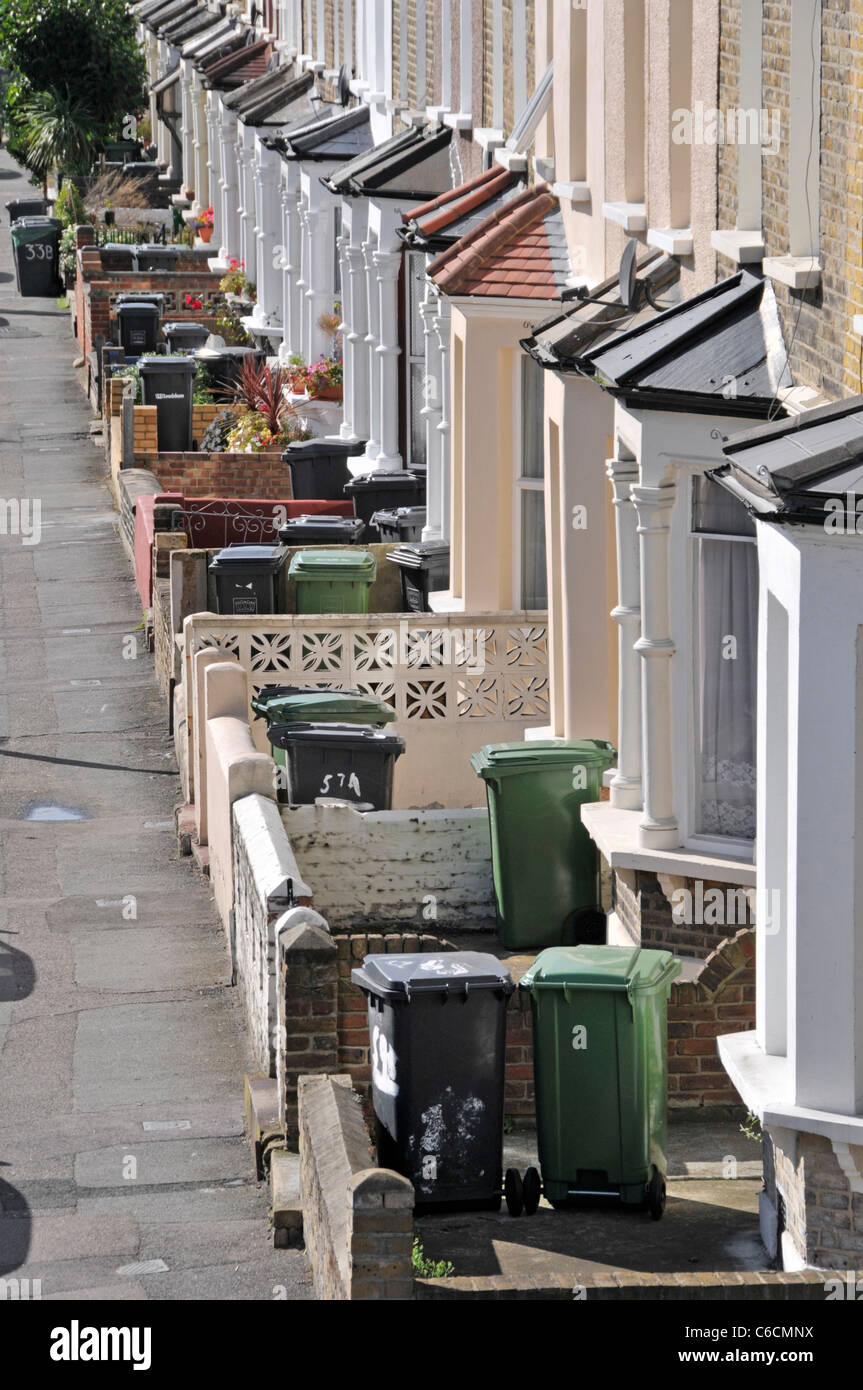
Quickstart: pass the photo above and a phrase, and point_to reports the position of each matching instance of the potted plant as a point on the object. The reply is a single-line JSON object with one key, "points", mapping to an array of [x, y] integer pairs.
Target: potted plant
{"points": [[296, 374], [206, 224], [324, 379]]}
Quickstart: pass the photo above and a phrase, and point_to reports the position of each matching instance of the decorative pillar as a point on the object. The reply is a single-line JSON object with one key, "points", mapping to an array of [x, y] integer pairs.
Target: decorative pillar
{"points": [[213, 168], [444, 429], [319, 294], [626, 788], [356, 349], [186, 77], [230, 222], [303, 280], [659, 828], [199, 149], [290, 266], [373, 447], [431, 415], [268, 274], [387, 266]]}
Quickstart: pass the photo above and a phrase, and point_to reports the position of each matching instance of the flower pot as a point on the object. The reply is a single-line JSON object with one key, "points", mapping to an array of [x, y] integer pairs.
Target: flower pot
{"points": [[206, 233], [326, 393]]}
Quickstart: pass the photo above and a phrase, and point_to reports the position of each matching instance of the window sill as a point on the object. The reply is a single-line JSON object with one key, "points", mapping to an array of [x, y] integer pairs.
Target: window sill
{"points": [[799, 272], [572, 192], [442, 601], [674, 241], [543, 168], [615, 833], [459, 120], [512, 160], [489, 139], [744, 248], [632, 217], [764, 1083]]}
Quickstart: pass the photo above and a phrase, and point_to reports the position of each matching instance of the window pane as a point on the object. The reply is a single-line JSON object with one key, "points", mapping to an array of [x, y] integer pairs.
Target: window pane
{"points": [[416, 295], [714, 509], [337, 263], [728, 640], [534, 590], [532, 456], [417, 420]]}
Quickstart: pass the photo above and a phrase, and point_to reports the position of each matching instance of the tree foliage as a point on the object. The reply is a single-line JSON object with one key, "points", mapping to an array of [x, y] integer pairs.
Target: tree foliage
{"points": [[84, 52]]}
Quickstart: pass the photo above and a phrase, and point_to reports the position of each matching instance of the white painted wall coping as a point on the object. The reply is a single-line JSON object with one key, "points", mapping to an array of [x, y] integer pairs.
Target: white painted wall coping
{"points": [[615, 833], [632, 217], [764, 1084], [268, 848]]}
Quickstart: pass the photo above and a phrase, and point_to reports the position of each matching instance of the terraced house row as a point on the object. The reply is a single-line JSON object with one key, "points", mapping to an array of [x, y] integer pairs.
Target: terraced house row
{"points": [[595, 274]]}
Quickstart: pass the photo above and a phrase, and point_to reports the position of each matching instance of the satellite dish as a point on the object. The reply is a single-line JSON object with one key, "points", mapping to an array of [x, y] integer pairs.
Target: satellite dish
{"points": [[626, 274], [344, 85]]}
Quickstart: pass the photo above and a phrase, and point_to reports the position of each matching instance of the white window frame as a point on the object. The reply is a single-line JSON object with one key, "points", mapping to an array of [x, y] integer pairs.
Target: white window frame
{"points": [[414, 262], [520, 483], [804, 129], [683, 580]]}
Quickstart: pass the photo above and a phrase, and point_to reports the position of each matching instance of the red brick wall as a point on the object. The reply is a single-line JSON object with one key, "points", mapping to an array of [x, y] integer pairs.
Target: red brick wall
{"points": [[219, 475], [96, 292], [721, 1000]]}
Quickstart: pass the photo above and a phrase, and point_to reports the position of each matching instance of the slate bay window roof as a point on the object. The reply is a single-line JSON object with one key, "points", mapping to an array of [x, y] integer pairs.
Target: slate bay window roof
{"points": [[157, 17], [560, 340], [189, 25], [519, 251], [413, 164], [435, 225], [805, 470], [222, 37], [334, 134], [281, 82], [720, 352]]}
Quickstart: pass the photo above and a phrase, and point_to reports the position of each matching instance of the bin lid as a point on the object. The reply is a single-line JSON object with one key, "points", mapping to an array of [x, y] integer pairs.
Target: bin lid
{"points": [[333, 563], [134, 308], [398, 478], [391, 516], [310, 704], [352, 524], [32, 229], [140, 297], [242, 556], [320, 448], [625, 968], [221, 354], [416, 555], [507, 759], [357, 736], [400, 976], [153, 365], [184, 326]]}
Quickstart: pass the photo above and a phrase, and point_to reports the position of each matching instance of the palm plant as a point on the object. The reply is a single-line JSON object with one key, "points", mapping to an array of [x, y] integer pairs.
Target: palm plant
{"points": [[272, 404], [248, 387], [57, 130]]}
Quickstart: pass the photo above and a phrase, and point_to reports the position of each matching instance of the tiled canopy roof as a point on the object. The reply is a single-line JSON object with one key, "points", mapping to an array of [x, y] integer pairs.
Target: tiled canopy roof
{"points": [[437, 224], [235, 69], [518, 252]]}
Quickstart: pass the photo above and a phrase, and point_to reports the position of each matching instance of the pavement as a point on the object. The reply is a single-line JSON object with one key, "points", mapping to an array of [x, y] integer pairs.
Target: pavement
{"points": [[710, 1221], [123, 1169]]}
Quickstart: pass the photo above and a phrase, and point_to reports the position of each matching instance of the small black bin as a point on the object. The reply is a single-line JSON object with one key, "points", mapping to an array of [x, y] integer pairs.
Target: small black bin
{"points": [[138, 327], [182, 336], [154, 256], [36, 245], [319, 468], [224, 366], [425, 569], [322, 530], [247, 578], [400, 523], [437, 1034], [352, 762], [168, 383], [374, 492], [118, 255], [26, 207]]}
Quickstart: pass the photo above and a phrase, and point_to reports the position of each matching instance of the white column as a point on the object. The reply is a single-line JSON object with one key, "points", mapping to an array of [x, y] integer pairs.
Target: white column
{"points": [[319, 291], [356, 348], [199, 147], [659, 828], [229, 243], [626, 789], [373, 446], [214, 154], [388, 265], [186, 78], [431, 414], [346, 429], [444, 429], [290, 264]]}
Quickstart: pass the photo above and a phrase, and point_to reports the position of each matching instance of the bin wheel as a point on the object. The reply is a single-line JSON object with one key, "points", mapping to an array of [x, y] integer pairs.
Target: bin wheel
{"points": [[656, 1195], [531, 1191], [513, 1192]]}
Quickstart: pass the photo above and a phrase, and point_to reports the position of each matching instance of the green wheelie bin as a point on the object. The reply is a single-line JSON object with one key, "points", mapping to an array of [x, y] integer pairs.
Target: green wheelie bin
{"points": [[545, 865], [600, 1069], [330, 580]]}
